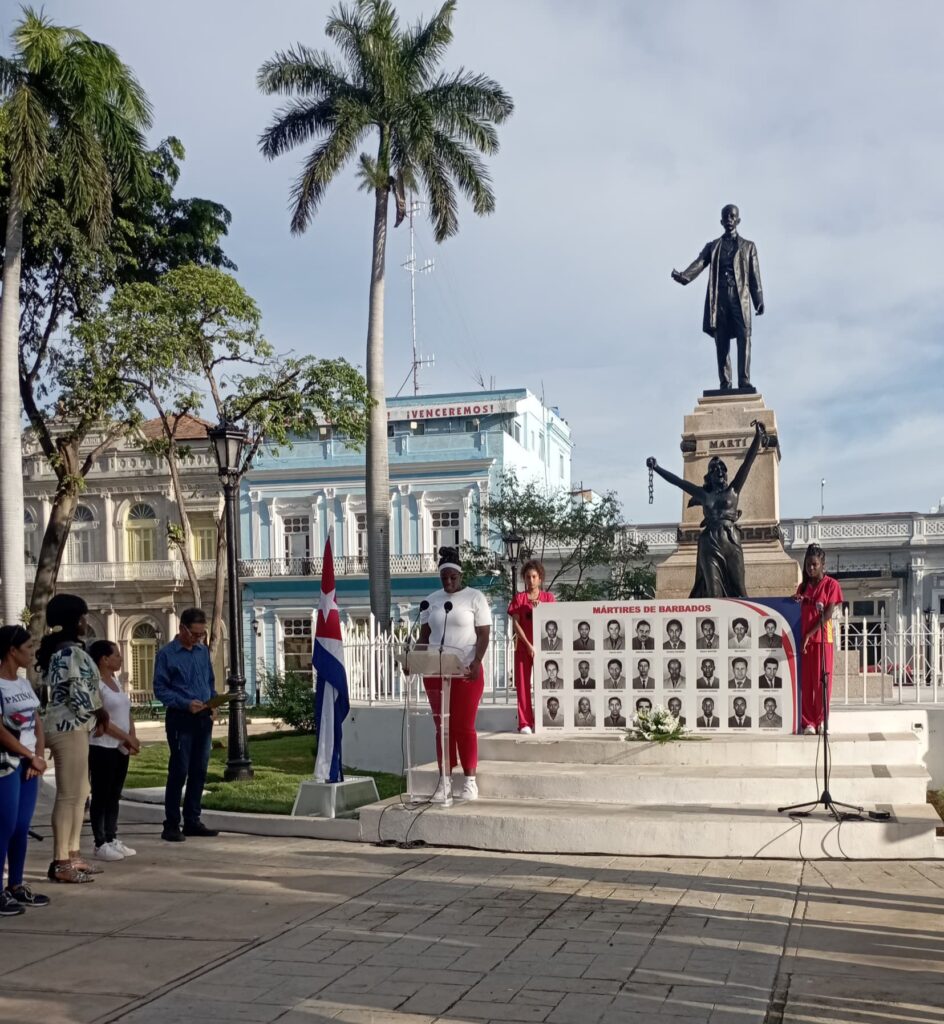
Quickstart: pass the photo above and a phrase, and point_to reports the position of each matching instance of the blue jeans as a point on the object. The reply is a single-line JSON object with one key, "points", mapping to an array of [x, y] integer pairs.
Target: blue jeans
{"points": [[189, 738], [17, 803]]}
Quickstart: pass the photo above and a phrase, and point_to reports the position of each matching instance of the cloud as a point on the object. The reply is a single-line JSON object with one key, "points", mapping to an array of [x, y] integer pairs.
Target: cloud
{"points": [[634, 123]]}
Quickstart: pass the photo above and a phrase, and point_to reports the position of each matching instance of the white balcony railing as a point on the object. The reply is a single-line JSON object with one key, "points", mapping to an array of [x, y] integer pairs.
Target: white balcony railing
{"points": [[344, 565], [128, 572]]}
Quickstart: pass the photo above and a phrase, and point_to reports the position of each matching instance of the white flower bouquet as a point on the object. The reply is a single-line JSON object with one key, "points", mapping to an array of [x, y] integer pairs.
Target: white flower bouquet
{"points": [[658, 725]]}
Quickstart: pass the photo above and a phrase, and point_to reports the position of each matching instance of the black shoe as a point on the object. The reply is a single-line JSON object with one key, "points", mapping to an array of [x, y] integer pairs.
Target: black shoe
{"points": [[25, 896], [172, 834], [199, 829], [9, 907]]}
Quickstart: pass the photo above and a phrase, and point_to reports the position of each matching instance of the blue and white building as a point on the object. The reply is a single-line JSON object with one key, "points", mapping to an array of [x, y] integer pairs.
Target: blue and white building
{"points": [[447, 454]]}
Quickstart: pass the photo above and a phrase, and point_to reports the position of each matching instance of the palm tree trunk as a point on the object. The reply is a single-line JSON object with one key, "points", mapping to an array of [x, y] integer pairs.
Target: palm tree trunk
{"points": [[378, 469], [12, 532]]}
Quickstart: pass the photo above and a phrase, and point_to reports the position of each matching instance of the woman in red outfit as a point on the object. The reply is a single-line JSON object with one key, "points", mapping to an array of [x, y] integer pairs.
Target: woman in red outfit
{"points": [[521, 613], [818, 595]]}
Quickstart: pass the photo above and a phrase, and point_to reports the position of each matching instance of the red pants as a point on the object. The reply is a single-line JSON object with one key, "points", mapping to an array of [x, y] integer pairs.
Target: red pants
{"points": [[811, 674], [523, 663], [464, 697]]}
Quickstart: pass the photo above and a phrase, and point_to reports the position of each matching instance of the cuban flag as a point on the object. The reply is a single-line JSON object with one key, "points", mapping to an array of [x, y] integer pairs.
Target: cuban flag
{"points": [[331, 697]]}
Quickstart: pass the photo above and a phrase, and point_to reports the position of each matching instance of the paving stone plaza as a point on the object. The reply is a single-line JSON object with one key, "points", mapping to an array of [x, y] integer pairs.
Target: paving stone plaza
{"points": [[301, 931]]}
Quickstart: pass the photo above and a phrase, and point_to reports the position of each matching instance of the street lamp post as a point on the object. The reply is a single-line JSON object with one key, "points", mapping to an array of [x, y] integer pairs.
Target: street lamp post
{"points": [[228, 442], [512, 544]]}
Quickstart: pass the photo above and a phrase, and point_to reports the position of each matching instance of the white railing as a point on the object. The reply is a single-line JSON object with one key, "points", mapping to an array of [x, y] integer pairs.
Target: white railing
{"points": [[344, 565], [888, 661], [127, 572], [373, 676]]}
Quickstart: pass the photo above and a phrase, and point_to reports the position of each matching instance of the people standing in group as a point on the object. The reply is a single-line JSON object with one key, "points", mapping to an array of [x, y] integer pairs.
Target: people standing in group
{"points": [[109, 754], [463, 628], [22, 746], [521, 613], [818, 595], [184, 684], [73, 710]]}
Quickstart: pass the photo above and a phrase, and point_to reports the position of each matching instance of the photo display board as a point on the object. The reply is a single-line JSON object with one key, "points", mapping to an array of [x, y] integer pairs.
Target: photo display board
{"points": [[722, 665]]}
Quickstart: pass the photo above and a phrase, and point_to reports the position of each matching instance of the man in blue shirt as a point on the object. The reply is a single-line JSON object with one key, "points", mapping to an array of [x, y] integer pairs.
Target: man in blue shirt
{"points": [[183, 683]]}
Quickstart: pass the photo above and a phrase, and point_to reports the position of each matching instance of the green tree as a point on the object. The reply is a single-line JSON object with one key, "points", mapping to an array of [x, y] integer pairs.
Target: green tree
{"points": [[195, 332], [72, 384], [429, 127], [582, 543], [69, 102]]}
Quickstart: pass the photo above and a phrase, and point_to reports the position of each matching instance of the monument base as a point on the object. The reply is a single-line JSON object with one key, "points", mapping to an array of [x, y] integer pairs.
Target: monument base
{"points": [[721, 424], [768, 571], [334, 799]]}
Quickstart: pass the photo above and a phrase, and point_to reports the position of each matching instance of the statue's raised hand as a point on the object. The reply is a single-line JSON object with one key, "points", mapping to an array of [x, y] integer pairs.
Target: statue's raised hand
{"points": [[651, 463], [676, 276]]}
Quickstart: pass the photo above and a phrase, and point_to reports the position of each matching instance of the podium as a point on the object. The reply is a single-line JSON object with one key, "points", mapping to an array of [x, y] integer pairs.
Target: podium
{"points": [[442, 662]]}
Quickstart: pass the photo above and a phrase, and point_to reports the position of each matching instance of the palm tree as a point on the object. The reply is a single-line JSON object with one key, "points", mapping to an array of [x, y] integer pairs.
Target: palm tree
{"points": [[430, 128], [71, 109]]}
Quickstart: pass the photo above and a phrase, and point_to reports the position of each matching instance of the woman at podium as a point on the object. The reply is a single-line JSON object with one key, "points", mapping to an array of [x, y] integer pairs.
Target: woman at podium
{"points": [[457, 620], [521, 613]]}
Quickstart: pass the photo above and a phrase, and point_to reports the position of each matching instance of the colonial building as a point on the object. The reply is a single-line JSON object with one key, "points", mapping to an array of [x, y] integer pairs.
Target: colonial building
{"points": [[119, 558], [447, 453]]}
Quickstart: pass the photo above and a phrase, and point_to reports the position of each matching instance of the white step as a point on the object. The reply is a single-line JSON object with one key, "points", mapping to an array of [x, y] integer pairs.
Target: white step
{"points": [[861, 748], [693, 831], [667, 784]]}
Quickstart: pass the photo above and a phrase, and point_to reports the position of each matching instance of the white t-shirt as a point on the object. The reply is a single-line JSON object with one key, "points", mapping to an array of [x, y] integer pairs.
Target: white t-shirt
{"points": [[118, 706], [20, 707], [469, 609]]}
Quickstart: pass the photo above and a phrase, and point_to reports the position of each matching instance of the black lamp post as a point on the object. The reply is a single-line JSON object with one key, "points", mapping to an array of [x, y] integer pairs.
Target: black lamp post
{"points": [[512, 544], [228, 442]]}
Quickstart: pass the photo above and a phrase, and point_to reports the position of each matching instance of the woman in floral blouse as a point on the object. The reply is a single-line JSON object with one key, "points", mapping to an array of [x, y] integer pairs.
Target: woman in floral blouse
{"points": [[74, 709]]}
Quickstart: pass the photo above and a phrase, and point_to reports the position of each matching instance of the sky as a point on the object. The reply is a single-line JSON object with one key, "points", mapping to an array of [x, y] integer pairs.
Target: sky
{"points": [[634, 123]]}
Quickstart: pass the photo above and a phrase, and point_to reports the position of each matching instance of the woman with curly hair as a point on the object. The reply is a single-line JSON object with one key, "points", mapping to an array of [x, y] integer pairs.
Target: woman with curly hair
{"points": [[73, 710], [521, 613]]}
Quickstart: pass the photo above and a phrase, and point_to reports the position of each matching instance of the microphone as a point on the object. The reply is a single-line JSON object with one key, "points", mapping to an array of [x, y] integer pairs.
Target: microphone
{"points": [[447, 608]]}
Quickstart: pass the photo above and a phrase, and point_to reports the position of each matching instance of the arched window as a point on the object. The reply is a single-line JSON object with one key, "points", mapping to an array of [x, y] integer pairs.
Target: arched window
{"points": [[80, 535], [143, 653], [141, 533]]}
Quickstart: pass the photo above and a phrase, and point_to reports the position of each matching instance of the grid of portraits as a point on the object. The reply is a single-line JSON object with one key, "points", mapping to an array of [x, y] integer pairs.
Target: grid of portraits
{"points": [[718, 670]]}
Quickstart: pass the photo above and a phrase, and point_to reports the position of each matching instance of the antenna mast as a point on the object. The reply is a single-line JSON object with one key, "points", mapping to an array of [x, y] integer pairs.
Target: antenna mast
{"points": [[412, 269]]}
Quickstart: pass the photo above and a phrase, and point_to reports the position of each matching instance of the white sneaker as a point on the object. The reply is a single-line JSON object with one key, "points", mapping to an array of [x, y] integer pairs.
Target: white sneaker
{"points": [[810, 730], [525, 730], [470, 790], [108, 851], [125, 851], [442, 791]]}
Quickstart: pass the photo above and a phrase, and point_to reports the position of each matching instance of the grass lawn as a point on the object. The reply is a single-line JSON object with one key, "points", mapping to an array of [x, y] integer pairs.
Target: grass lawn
{"points": [[280, 761]]}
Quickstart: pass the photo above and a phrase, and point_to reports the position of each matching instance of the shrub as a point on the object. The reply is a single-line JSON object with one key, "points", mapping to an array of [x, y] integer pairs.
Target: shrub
{"points": [[290, 697]]}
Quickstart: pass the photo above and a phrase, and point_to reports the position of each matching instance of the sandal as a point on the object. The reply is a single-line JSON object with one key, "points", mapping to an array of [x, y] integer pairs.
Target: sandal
{"points": [[67, 873], [81, 864]]}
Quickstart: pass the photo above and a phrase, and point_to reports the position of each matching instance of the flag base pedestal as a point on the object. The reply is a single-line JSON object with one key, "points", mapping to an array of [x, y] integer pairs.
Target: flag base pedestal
{"points": [[334, 799]]}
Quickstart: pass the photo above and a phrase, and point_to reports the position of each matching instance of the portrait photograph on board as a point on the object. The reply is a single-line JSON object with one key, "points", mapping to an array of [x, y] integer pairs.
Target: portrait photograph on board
{"points": [[643, 678], [770, 680], [582, 639], [770, 717], [550, 640], [739, 668], [739, 634], [615, 678], [615, 639], [552, 678], [708, 678], [707, 719], [584, 717], [675, 707], [553, 716], [642, 635], [738, 713], [615, 719], [673, 674], [674, 636], [707, 638], [582, 678], [770, 639]]}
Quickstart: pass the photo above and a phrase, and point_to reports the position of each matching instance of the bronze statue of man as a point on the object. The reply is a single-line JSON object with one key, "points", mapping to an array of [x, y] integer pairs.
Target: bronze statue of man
{"points": [[733, 284]]}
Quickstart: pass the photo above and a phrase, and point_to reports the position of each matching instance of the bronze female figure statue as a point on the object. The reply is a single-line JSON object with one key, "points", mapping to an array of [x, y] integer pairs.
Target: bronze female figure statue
{"points": [[720, 568]]}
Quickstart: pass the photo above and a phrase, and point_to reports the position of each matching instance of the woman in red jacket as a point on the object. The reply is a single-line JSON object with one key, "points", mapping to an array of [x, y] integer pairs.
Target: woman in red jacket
{"points": [[818, 595], [521, 613]]}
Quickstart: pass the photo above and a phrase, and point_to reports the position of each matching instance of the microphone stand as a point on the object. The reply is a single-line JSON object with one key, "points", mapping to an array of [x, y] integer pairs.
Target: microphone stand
{"points": [[407, 738], [839, 810], [445, 766]]}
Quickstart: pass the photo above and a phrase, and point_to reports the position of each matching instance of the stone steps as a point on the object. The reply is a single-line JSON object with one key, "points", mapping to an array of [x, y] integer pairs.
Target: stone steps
{"points": [[574, 827], [862, 748], [664, 785]]}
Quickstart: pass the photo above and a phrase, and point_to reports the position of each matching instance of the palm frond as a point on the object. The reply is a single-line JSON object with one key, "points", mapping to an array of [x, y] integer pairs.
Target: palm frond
{"points": [[440, 193], [425, 45], [468, 172], [12, 74], [295, 123], [301, 70], [475, 95], [323, 164], [27, 142]]}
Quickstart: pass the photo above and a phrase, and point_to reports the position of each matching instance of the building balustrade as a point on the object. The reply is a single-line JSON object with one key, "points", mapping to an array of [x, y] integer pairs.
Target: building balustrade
{"points": [[344, 565], [128, 572]]}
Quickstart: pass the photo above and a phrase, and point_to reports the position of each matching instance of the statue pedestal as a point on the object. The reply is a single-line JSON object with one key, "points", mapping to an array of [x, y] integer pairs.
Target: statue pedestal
{"points": [[721, 425]]}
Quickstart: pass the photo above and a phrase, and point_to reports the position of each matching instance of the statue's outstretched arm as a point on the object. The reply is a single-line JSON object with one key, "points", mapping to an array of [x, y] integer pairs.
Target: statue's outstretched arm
{"points": [[760, 438], [693, 489]]}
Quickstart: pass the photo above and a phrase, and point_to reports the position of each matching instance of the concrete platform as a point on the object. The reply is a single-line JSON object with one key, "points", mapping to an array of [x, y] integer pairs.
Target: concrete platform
{"points": [[569, 827]]}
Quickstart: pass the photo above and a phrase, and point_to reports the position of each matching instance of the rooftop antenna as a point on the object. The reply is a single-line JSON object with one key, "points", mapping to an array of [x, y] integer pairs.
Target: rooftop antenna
{"points": [[412, 269]]}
